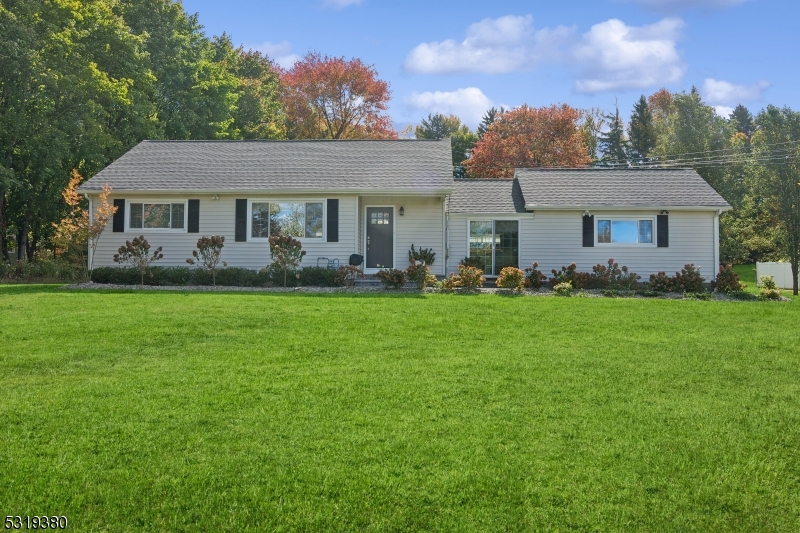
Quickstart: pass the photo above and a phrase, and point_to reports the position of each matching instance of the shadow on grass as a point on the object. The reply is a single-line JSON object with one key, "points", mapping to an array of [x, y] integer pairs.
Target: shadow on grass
{"points": [[7, 289]]}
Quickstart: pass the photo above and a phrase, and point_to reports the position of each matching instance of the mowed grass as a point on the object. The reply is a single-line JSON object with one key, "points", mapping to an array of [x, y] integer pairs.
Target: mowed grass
{"points": [[161, 411]]}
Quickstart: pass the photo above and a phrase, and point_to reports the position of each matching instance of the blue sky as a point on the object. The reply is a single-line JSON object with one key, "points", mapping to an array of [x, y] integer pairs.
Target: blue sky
{"points": [[464, 57]]}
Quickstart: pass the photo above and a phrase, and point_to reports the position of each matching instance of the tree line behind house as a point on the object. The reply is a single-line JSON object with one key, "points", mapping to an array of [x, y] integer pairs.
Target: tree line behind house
{"points": [[84, 82]]}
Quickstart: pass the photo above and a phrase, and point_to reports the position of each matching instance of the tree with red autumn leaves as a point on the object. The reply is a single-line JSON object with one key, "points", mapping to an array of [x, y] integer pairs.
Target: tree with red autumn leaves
{"points": [[528, 137], [331, 98]]}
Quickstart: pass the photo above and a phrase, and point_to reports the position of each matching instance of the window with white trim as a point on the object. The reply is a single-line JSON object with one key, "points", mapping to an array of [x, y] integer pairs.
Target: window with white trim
{"points": [[625, 230], [153, 215], [300, 220]]}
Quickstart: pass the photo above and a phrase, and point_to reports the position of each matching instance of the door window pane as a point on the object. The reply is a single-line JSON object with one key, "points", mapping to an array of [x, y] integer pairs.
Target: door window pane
{"points": [[136, 216], [506, 251], [313, 220], [646, 231], [480, 242], [177, 216], [624, 231]]}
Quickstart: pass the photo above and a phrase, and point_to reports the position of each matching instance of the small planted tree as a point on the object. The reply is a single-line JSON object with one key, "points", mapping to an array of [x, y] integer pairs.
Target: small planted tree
{"points": [[420, 275], [137, 254], [286, 253], [208, 254]]}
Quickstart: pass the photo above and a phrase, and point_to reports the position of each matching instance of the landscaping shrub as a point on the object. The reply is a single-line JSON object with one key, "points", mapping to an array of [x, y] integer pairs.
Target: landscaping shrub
{"points": [[49, 269], [233, 277], [689, 279], [286, 253], [468, 278], [392, 278], [277, 276], [611, 275], [347, 275], [705, 295], [610, 293], [423, 255], [473, 262], [315, 276], [565, 275], [169, 276], [137, 254], [727, 280], [420, 275], [661, 282], [563, 289], [207, 255], [534, 278], [511, 278], [115, 275], [769, 289]]}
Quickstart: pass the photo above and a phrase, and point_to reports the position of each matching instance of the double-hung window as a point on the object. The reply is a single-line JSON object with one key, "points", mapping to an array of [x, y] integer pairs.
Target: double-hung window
{"points": [[300, 220], [154, 215], [625, 230]]}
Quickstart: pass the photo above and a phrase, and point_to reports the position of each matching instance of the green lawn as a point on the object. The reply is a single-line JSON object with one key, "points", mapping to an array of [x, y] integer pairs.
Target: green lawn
{"points": [[158, 411]]}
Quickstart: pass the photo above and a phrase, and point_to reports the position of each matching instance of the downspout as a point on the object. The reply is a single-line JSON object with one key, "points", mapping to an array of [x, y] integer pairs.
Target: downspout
{"points": [[446, 233], [89, 241], [716, 242]]}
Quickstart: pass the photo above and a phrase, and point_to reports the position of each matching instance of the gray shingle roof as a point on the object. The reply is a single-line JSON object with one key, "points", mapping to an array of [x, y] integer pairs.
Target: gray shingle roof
{"points": [[400, 166], [486, 196], [582, 188]]}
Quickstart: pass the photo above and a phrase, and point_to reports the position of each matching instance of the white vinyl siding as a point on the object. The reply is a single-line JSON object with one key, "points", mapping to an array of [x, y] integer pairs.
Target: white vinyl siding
{"points": [[422, 225], [218, 217], [555, 239]]}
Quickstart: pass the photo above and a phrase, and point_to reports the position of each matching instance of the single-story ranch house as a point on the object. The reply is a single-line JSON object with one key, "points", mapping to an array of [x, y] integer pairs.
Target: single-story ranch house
{"points": [[378, 197]]}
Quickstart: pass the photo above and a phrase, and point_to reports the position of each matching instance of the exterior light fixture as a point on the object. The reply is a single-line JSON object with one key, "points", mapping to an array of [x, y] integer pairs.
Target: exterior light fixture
{"points": [[586, 213], [215, 196], [402, 211], [664, 212]]}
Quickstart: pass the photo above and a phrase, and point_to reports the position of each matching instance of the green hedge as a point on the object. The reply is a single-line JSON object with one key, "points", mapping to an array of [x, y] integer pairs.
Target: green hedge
{"points": [[229, 277]]}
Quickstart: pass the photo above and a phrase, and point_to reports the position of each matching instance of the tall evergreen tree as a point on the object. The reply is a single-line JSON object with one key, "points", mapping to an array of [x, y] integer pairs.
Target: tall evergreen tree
{"points": [[613, 143], [462, 140], [641, 130], [744, 123], [488, 119]]}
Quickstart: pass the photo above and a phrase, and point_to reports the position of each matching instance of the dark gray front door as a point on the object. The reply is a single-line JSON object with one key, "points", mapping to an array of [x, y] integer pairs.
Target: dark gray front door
{"points": [[380, 245]]}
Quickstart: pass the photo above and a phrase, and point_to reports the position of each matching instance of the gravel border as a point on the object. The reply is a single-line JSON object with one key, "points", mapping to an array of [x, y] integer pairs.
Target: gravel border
{"points": [[593, 293]]}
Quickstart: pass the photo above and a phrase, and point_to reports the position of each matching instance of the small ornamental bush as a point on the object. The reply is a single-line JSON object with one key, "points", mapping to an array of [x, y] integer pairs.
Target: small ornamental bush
{"points": [[727, 280], [472, 262], [565, 275], [563, 289], [698, 295], [661, 282], [315, 276], [769, 289], [423, 255], [137, 254], [392, 278], [511, 278], [689, 279], [207, 255], [534, 278], [347, 275], [468, 278], [286, 253], [420, 275]]}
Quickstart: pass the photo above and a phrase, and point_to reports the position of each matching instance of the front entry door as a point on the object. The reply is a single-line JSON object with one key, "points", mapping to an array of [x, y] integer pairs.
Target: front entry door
{"points": [[380, 237]]}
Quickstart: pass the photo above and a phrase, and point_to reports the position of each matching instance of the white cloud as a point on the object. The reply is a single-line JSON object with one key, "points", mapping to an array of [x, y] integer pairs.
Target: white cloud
{"points": [[676, 5], [618, 57], [280, 52], [723, 111], [468, 104], [723, 92], [341, 4], [492, 46]]}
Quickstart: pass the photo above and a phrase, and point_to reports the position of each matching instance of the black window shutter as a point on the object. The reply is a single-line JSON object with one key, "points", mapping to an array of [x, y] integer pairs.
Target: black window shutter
{"points": [[662, 228], [118, 223], [194, 216], [333, 220], [241, 220], [588, 231]]}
